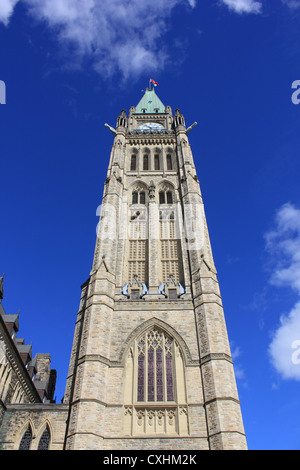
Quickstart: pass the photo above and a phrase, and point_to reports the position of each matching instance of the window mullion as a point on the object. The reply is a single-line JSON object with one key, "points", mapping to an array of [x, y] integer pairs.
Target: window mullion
{"points": [[146, 368], [155, 374], [164, 370], [135, 373]]}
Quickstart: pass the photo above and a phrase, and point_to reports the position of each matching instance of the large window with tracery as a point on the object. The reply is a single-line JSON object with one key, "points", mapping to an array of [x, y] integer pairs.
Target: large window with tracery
{"points": [[155, 368], [154, 388]]}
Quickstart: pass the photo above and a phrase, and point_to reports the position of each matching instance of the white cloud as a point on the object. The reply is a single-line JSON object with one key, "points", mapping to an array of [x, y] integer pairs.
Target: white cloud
{"points": [[6, 10], [122, 37], [283, 244], [285, 346], [235, 351], [117, 36], [238, 369], [292, 4], [243, 6]]}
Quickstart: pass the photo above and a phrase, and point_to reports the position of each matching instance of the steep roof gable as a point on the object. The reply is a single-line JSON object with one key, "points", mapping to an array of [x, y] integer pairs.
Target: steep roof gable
{"points": [[150, 104]]}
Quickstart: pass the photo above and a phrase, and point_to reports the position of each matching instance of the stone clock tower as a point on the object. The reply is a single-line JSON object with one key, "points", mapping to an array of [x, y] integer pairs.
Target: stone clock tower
{"points": [[151, 366]]}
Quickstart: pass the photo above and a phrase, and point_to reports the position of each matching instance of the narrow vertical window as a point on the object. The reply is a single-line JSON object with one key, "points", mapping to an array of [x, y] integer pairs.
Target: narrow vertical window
{"points": [[169, 377], [142, 197], [26, 440], [134, 198], [159, 375], [141, 372], [150, 374], [146, 162], [161, 197], [133, 163], [44, 440], [169, 162], [169, 197], [156, 162]]}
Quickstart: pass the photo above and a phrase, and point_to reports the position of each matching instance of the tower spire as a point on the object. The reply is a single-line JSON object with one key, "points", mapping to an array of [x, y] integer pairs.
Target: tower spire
{"points": [[151, 362], [150, 103]]}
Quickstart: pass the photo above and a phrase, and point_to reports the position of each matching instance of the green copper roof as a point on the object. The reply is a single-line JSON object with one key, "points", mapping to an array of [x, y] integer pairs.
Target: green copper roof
{"points": [[150, 104]]}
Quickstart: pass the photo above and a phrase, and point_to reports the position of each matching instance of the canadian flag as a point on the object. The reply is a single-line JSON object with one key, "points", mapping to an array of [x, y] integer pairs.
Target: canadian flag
{"points": [[154, 83]]}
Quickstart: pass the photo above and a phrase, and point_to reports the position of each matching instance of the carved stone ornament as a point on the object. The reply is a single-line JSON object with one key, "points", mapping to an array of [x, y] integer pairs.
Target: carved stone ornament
{"points": [[151, 190]]}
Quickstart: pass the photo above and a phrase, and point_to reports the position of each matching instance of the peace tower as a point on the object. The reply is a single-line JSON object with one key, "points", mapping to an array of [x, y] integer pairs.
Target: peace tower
{"points": [[151, 366]]}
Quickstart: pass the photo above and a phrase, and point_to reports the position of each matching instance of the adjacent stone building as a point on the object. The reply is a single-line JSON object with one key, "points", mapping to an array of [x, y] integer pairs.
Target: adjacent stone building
{"points": [[27, 386], [150, 365]]}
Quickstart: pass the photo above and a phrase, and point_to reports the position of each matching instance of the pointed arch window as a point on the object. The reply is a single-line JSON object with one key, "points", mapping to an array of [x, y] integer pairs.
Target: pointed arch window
{"points": [[26, 439], [156, 162], [44, 440], [155, 398], [155, 375], [169, 162]]}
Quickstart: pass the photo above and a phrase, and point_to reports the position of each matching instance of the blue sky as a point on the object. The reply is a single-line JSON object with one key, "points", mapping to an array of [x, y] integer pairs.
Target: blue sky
{"points": [[71, 66]]}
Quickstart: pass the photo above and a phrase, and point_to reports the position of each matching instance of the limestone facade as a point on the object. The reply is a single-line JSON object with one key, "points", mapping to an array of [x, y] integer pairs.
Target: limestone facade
{"points": [[150, 365]]}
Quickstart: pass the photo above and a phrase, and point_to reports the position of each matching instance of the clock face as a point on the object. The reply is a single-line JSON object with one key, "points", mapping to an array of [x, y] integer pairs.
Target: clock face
{"points": [[151, 126]]}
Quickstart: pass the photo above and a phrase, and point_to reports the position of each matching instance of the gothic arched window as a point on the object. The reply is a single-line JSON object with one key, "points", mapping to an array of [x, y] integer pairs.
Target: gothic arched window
{"points": [[44, 440], [154, 388], [155, 367], [26, 439]]}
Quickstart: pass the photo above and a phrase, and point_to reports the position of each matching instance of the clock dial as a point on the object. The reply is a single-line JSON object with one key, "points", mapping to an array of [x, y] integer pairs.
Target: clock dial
{"points": [[151, 126]]}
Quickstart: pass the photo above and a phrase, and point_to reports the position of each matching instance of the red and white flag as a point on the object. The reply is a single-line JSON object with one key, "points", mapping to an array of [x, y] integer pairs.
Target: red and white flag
{"points": [[154, 83]]}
